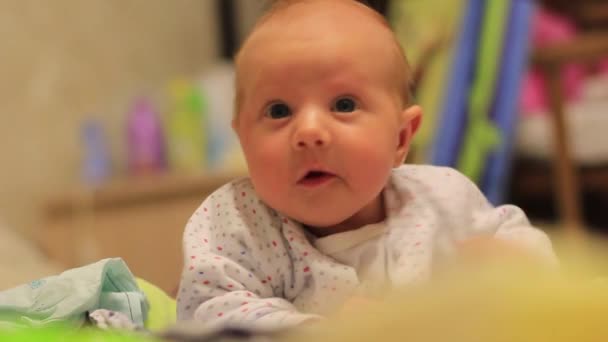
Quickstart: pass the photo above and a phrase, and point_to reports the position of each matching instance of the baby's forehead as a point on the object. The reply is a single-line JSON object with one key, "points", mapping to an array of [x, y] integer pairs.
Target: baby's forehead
{"points": [[315, 22], [322, 30], [307, 13]]}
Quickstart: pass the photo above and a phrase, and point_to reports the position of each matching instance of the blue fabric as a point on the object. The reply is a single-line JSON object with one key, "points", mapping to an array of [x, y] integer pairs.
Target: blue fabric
{"points": [[453, 116], [505, 112]]}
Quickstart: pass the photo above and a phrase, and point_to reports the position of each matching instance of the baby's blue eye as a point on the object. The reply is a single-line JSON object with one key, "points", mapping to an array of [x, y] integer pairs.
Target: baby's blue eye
{"points": [[278, 111], [345, 105]]}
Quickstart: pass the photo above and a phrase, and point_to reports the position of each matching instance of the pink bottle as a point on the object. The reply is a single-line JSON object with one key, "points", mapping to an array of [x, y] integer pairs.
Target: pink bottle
{"points": [[146, 146]]}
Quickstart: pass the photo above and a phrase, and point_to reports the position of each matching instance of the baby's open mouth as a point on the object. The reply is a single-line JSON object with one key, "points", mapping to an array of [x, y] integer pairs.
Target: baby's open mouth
{"points": [[316, 177]]}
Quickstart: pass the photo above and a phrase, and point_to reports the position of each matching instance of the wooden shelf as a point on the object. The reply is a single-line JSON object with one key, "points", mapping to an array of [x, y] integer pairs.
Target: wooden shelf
{"points": [[532, 178], [584, 48], [594, 13], [140, 219], [136, 190]]}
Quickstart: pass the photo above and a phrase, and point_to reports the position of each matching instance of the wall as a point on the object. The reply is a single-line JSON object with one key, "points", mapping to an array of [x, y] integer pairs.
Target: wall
{"points": [[63, 60]]}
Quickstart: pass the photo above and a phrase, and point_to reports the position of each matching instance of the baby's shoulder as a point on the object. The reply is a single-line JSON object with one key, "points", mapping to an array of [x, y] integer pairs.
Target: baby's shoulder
{"points": [[232, 198], [241, 187], [234, 207], [439, 178], [438, 187]]}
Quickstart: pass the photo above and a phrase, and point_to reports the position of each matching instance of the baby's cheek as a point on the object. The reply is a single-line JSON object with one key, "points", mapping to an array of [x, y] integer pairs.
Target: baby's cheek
{"points": [[372, 163], [269, 180], [266, 160]]}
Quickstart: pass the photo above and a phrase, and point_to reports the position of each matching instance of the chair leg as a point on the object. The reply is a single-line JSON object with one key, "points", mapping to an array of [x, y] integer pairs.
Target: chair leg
{"points": [[565, 172]]}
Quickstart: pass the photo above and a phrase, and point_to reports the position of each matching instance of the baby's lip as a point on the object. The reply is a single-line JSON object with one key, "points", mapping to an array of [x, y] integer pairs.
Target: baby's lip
{"points": [[314, 173]]}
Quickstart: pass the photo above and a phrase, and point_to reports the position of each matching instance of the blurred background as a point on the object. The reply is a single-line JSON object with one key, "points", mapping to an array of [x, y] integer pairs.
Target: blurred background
{"points": [[115, 117]]}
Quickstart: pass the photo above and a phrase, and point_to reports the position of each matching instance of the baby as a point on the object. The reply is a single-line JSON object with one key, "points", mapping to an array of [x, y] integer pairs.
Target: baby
{"points": [[329, 213]]}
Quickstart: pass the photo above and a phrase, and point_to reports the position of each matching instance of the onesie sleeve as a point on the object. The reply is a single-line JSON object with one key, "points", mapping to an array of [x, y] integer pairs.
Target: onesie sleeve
{"points": [[230, 278], [478, 217]]}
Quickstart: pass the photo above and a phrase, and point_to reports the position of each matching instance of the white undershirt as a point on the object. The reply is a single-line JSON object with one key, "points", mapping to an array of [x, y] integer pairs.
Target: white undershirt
{"points": [[364, 250]]}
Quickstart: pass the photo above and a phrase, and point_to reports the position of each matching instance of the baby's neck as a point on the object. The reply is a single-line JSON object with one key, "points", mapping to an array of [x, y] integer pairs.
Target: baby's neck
{"points": [[370, 214]]}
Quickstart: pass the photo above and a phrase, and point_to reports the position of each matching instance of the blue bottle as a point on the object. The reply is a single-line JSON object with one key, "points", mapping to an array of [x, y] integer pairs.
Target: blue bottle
{"points": [[96, 157]]}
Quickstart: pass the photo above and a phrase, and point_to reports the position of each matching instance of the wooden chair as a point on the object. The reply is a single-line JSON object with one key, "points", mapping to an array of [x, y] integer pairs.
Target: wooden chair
{"points": [[587, 48]]}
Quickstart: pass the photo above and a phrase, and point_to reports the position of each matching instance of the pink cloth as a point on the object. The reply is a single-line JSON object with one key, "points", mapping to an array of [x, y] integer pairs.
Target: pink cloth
{"points": [[549, 28]]}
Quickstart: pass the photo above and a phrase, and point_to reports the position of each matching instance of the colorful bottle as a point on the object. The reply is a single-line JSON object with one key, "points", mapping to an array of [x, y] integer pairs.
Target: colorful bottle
{"points": [[185, 127], [146, 146], [223, 149], [96, 157]]}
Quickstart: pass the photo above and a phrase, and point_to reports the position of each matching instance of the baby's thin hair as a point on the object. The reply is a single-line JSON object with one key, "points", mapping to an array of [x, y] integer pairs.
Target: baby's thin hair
{"points": [[275, 7]]}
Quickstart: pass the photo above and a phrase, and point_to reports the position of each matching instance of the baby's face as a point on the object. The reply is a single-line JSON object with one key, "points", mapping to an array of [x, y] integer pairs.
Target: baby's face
{"points": [[321, 121]]}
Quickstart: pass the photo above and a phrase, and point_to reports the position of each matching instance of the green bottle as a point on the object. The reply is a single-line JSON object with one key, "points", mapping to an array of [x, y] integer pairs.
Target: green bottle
{"points": [[186, 138]]}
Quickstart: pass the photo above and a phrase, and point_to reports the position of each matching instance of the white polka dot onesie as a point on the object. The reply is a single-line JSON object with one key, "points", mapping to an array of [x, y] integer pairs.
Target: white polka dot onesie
{"points": [[245, 265]]}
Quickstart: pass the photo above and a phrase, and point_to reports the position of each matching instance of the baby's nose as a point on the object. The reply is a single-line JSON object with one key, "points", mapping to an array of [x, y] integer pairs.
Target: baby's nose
{"points": [[311, 132]]}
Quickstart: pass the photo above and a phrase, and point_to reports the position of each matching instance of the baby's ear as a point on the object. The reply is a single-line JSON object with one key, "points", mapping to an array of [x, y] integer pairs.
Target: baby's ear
{"points": [[410, 120]]}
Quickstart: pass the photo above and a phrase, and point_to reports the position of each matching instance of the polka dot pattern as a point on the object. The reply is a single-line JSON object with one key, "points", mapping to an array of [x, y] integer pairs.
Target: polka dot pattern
{"points": [[245, 263]]}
